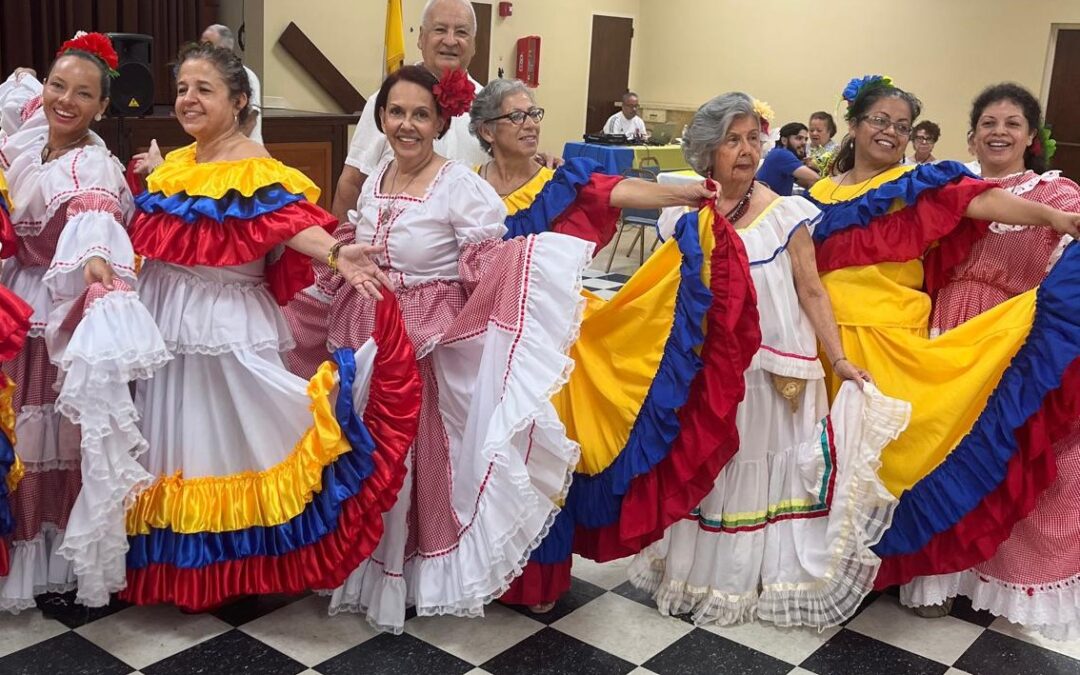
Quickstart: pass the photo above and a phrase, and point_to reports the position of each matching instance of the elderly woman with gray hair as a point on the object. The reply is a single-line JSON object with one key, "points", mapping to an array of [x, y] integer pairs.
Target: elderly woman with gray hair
{"points": [[785, 533], [575, 199]]}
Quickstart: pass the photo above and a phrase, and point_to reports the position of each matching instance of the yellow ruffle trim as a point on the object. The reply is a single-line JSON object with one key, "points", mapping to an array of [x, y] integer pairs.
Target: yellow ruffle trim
{"points": [[252, 499], [180, 173], [15, 475], [4, 193], [7, 426]]}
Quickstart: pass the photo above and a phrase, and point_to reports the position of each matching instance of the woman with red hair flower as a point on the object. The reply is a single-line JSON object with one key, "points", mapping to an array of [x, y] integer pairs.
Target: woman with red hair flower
{"points": [[491, 322], [74, 265]]}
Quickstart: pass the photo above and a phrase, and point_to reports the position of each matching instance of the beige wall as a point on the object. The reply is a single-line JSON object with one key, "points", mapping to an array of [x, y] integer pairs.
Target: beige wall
{"points": [[800, 60], [350, 33], [565, 30]]}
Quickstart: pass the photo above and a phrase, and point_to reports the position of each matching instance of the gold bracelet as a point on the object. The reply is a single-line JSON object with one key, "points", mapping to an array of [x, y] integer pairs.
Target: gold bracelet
{"points": [[331, 258]]}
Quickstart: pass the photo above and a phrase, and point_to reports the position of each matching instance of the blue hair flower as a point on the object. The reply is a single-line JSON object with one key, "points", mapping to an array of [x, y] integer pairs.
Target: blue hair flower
{"points": [[858, 84]]}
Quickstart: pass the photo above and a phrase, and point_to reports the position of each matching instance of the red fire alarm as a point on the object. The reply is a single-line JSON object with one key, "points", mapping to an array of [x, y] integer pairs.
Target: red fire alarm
{"points": [[506, 9]]}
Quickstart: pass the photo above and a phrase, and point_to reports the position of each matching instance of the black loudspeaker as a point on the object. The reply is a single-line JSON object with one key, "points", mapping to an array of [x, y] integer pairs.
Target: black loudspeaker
{"points": [[133, 90]]}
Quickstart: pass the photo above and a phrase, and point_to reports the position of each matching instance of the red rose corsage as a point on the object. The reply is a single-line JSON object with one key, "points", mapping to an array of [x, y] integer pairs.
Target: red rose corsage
{"points": [[97, 44], [454, 93]]}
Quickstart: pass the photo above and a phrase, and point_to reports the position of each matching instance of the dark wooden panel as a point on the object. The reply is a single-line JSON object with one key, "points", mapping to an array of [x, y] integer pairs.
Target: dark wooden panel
{"points": [[320, 68], [609, 68], [1063, 102], [481, 61]]}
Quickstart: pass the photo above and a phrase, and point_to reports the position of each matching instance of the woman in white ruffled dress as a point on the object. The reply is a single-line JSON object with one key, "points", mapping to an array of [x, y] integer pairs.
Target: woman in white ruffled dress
{"points": [[491, 322], [75, 266], [785, 534]]}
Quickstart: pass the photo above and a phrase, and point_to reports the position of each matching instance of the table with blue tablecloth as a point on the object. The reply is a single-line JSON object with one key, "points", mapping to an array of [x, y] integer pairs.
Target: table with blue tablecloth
{"points": [[617, 159]]}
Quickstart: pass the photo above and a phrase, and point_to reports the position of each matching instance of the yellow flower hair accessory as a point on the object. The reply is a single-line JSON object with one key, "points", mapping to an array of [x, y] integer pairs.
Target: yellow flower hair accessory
{"points": [[765, 113]]}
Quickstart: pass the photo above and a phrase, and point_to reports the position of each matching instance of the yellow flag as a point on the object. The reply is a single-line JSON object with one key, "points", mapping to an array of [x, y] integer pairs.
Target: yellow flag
{"points": [[395, 36]]}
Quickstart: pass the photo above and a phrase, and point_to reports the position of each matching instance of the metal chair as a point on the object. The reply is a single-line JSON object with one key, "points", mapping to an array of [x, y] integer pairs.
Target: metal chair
{"points": [[641, 218]]}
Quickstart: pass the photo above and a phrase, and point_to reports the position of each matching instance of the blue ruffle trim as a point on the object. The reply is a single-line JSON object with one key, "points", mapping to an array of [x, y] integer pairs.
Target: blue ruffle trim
{"points": [[554, 198], [232, 205], [558, 545], [978, 464], [7, 460], [907, 188], [341, 481], [595, 501]]}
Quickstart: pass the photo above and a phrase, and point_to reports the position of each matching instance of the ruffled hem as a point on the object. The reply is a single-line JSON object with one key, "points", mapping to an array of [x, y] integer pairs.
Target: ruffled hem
{"points": [[706, 436], [181, 174], [35, 568], [858, 516], [89, 234], [390, 416], [1052, 609], [957, 516], [864, 516]]}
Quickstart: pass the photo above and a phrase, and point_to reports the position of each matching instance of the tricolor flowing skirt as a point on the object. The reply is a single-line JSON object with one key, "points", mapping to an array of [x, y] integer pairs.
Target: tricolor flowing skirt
{"points": [[14, 324], [261, 482], [652, 401], [990, 399]]}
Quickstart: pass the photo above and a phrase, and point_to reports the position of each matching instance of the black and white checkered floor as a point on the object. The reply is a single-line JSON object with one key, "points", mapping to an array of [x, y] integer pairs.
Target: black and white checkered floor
{"points": [[601, 626], [604, 284]]}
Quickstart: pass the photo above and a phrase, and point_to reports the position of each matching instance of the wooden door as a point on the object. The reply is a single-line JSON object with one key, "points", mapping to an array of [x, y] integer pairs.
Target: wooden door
{"points": [[609, 68], [1063, 103], [478, 67]]}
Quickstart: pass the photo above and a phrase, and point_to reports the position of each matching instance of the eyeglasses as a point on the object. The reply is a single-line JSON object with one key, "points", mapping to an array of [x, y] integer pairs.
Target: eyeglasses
{"points": [[883, 123], [518, 116], [923, 140]]}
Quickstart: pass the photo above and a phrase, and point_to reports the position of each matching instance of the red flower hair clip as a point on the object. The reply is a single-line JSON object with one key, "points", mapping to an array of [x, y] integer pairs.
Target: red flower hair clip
{"points": [[454, 93], [97, 44]]}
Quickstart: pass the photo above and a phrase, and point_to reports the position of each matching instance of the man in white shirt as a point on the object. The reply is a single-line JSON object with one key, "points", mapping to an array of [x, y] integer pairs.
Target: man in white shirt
{"points": [[220, 36], [447, 41], [627, 122]]}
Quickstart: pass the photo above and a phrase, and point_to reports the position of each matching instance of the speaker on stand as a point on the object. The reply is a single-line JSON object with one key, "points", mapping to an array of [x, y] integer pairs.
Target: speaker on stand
{"points": [[132, 91]]}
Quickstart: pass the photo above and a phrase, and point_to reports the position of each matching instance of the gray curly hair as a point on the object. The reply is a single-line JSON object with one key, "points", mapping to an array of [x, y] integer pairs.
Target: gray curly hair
{"points": [[488, 104], [709, 126]]}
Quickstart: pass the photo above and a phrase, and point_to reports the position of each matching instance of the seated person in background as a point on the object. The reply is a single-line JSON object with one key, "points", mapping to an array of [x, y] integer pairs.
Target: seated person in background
{"points": [[822, 147], [923, 137], [627, 122], [822, 129], [783, 166]]}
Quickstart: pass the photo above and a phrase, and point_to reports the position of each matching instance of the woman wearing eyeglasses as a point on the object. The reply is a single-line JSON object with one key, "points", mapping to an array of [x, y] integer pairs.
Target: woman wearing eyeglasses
{"points": [[924, 136], [506, 121], [991, 395], [574, 199]]}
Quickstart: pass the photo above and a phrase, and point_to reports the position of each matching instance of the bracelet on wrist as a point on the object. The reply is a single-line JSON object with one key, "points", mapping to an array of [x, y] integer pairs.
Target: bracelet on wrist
{"points": [[332, 257], [842, 358]]}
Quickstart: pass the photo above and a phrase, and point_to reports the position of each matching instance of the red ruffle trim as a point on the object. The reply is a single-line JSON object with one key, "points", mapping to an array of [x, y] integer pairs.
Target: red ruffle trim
{"points": [[709, 437], [539, 584], [164, 237], [14, 324], [592, 217], [978, 535], [392, 417], [937, 217], [9, 241]]}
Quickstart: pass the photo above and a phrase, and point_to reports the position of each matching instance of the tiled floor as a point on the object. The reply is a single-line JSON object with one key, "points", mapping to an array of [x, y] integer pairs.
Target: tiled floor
{"points": [[602, 626]]}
